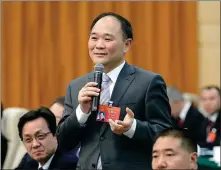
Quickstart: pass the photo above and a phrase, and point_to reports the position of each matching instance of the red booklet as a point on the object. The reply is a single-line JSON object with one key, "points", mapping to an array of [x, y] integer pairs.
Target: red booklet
{"points": [[108, 112]]}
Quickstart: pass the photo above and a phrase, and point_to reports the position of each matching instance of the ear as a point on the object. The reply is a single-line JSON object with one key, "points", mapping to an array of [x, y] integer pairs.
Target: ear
{"points": [[127, 44], [193, 160]]}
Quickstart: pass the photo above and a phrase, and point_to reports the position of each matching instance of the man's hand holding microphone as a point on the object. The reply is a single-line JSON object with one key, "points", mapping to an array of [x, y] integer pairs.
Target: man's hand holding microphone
{"points": [[89, 100]]}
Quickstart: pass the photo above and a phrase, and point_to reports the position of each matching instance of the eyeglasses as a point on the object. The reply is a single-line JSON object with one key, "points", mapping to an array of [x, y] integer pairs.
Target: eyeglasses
{"points": [[39, 137]]}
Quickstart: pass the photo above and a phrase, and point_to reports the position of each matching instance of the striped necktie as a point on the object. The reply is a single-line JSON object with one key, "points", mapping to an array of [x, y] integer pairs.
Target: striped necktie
{"points": [[104, 99], [105, 89]]}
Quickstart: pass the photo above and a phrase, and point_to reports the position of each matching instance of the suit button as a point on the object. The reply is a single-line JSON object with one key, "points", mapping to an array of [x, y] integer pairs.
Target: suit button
{"points": [[102, 138]]}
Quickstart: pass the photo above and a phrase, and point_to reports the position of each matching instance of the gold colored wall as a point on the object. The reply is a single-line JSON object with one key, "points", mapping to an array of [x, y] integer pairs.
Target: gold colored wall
{"points": [[209, 42]]}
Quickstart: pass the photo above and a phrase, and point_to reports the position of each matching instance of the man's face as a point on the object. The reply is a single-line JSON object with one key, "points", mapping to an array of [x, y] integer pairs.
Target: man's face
{"points": [[210, 100], [168, 154], [38, 140], [106, 43], [57, 109], [102, 115]]}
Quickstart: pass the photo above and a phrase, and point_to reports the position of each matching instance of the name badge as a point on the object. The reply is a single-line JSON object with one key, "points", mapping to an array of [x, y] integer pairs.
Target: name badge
{"points": [[106, 112], [211, 136]]}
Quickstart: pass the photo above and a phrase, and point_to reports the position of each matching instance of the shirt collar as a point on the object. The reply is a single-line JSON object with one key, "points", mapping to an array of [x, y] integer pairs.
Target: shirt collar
{"points": [[47, 164], [213, 117], [185, 110], [113, 74]]}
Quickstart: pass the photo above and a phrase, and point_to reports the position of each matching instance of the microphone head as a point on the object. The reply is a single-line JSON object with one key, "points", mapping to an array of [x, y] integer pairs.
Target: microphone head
{"points": [[99, 68]]}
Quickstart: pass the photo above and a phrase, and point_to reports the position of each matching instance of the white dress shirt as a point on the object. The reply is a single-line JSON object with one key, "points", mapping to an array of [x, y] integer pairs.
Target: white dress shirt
{"points": [[213, 117], [185, 110], [82, 117]]}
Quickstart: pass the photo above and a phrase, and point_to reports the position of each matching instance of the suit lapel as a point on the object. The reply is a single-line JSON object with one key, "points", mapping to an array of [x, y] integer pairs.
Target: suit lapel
{"points": [[124, 80], [90, 77], [55, 160], [217, 122], [188, 118]]}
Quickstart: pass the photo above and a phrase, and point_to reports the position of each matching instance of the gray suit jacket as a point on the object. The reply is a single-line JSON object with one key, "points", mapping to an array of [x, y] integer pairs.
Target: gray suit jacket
{"points": [[142, 91]]}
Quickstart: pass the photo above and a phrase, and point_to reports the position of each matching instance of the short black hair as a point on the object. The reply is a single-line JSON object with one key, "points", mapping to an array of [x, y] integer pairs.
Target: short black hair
{"points": [[209, 87], [59, 100], [125, 24], [41, 112], [187, 141]]}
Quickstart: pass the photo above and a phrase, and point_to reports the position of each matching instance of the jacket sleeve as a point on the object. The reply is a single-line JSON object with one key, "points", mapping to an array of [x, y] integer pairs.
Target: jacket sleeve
{"points": [[157, 111], [69, 131]]}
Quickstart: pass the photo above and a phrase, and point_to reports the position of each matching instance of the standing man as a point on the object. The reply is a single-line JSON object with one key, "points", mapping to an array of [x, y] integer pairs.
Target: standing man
{"points": [[141, 95]]}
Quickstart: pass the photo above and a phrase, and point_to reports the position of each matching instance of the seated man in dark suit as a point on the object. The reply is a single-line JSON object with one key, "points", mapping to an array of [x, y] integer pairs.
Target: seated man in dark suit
{"points": [[37, 131], [174, 149], [210, 101], [185, 115]]}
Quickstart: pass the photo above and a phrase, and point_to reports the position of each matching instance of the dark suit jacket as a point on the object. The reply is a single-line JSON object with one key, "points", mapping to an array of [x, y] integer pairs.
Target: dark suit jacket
{"points": [[4, 148], [216, 125], [142, 91], [194, 123], [60, 161]]}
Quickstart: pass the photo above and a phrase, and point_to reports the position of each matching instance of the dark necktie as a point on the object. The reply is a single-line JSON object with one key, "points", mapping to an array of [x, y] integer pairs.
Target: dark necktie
{"points": [[40, 168], [210, 126], [180, 122]]}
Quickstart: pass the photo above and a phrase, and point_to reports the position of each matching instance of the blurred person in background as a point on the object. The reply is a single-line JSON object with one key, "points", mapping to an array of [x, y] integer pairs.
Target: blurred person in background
{"points": [[37, 130], [174, 149], [184, 114], [210, 101], [57, 107]]}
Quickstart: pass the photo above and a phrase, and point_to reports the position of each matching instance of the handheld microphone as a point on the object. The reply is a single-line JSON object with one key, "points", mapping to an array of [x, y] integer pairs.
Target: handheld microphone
{"points": [[98, 72]]}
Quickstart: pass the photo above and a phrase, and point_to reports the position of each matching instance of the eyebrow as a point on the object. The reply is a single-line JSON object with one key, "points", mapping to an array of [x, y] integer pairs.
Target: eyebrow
{"points": [[167, 150], [39, 131], [106, 34]]}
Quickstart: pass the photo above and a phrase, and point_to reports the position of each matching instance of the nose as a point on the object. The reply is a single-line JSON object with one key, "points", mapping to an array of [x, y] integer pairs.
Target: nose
{"points": [[35, 143], [161, 164], [100, 44], [207, 104]]}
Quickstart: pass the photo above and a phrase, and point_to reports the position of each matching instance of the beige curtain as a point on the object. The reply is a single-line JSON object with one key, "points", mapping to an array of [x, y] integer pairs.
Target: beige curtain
{"points": [[44, 45]]}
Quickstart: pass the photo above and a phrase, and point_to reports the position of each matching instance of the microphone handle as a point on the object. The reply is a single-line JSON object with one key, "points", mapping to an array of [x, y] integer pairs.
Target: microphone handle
{"points": [[96, 99]]}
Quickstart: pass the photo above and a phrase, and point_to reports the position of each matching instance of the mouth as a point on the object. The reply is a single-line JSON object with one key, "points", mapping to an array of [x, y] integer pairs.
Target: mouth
{"points": [[100, 54], [37, 152]]}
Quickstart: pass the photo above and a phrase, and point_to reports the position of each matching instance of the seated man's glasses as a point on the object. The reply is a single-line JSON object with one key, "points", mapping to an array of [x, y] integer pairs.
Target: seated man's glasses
{"points": [[38, 137]]}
